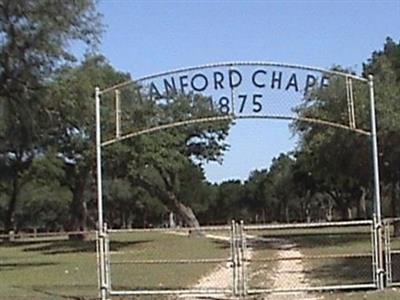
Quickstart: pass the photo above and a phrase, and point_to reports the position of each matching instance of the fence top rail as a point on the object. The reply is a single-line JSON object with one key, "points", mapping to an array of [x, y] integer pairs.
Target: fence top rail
{"points": [[391, 220], [180, 229], [309, 225], [213, 291], [19, 235]]}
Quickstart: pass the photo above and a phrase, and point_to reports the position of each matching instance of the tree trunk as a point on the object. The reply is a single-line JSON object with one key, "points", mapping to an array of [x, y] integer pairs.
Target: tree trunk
{"points": [[287, 217], [362, 205], [78, 209], [10, 214], [183, 211], [394, 208]]}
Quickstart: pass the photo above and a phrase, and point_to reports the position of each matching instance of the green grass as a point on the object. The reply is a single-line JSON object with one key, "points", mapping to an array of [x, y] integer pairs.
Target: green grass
{"points": [[62, 269], [47, 269], [161, 246], [316, 242]]}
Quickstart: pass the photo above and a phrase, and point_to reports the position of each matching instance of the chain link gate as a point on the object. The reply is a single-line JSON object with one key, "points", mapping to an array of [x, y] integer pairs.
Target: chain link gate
{"points": [[253, 259], [392, 253], [304, 258]]}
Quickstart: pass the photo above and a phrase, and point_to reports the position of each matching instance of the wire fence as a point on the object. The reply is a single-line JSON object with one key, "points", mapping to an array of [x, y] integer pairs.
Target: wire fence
{"points": [[234, 260], [392, 251], [310, 257], [171, 261]]}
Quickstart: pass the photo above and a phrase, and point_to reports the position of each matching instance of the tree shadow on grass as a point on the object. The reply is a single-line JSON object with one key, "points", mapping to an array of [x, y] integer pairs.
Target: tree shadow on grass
{"points": [[312, 241], [23, 265], [222, 244], [71, 246], [341, 271], [396, 268], [63, 295], [325, 271]]}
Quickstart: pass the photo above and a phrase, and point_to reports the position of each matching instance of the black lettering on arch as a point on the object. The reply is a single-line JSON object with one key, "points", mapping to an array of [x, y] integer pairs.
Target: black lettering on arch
{"points": [[154, 92], [233, 84], [170, 87], [199, 88], [276, 79], [292, 83], [311, 80], [254, 76], [183, 82], [324, 81], [218, 79]]}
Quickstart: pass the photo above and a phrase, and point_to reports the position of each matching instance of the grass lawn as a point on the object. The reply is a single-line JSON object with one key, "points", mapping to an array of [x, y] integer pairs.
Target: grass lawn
{"points": [[162, 246], [58, 269], [47, 269], [63, 269]]}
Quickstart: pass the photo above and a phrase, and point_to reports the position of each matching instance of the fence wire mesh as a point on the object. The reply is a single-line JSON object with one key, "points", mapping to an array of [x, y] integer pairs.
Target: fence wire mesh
{"points": [[242, 261], [171, 261], [392, 252], [310, 257]]}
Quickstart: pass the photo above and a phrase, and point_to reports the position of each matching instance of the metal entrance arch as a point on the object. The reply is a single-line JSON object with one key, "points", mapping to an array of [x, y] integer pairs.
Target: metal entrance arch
{"points": [[197, 80]]}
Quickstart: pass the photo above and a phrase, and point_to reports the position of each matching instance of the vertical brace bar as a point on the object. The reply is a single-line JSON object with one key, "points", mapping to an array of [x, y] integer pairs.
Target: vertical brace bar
{"points": [[377, 202], [107, 257], [98, 262], [117, 114], [353, 116], [102, 279], [244, 259], [388, 254], [373, 248], [239, 261], [233, 255], [232, 95], [350, 102]]}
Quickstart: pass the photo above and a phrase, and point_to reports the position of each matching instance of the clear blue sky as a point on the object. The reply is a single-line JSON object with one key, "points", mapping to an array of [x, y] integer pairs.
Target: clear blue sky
{"points": [[144, 37]]}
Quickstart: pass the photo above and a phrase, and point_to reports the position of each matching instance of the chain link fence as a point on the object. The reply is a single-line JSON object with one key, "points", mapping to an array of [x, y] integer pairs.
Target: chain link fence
{"points": [[241, 260], [392, 252], [176, 261], [310, 257]]}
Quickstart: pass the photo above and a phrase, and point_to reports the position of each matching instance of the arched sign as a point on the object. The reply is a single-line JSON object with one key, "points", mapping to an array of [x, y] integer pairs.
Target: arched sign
{"points": [[240, 90]]}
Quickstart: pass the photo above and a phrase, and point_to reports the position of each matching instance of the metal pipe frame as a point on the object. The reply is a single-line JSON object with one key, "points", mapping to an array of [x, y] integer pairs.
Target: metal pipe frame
{"points": [[181, 229], [213, 119], [105, 289], [388, 255], [373, 251], [311, 289], [233, 262], [309, 225], [171, 292], [377, 198], [243, 248], [101, 233]]}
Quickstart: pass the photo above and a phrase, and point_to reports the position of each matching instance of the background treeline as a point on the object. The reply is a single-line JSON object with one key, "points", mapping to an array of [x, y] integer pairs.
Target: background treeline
{"points": [[47, 154]]}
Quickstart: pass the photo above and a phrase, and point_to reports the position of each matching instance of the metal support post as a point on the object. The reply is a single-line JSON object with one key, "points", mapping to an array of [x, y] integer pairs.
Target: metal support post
{"points": [[243, 248], [388, 254], [107, 258], [234, 258], [117, 114], [101, 262], [377, 200]]}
